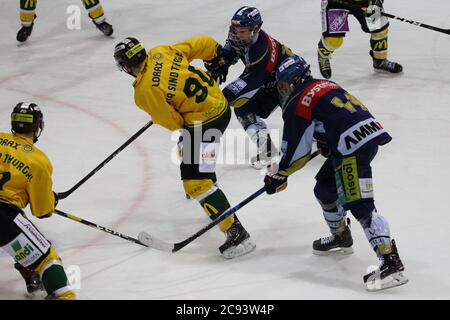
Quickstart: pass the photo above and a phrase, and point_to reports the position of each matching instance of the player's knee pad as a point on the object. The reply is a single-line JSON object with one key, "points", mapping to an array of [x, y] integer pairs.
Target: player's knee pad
{"points": [[198, 188], [329, 44], [379, 44]]}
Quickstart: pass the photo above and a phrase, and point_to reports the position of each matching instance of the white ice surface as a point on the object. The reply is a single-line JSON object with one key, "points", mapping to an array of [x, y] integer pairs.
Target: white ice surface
{"points": [[89, 112]]}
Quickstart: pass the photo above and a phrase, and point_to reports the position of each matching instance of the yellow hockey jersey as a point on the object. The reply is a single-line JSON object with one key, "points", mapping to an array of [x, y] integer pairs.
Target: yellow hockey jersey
{"points": [[25, 175], [176, 94]]}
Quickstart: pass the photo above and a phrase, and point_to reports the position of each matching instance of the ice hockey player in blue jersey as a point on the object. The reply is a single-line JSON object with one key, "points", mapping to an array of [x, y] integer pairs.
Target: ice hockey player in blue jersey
{"points": [[349, 136], [253, 95]]}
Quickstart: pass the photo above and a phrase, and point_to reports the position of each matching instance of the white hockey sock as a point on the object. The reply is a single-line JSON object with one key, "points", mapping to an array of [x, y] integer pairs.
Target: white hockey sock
{"points": [[377, 232]]}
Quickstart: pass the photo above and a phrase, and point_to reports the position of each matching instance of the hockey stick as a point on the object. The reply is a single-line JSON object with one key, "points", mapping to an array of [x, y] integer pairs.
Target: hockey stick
{"points": [[65, 194], [162, 245], [419, 24], [96, 226]]}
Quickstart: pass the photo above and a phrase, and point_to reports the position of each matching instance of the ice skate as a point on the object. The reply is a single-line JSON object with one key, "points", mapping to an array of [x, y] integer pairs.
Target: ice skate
{"points": [[336, 243], [384, 65], [32, 279], [237, 243], [24, 33], [266, 152], [389, 274], [104, 27], [324, 65]]}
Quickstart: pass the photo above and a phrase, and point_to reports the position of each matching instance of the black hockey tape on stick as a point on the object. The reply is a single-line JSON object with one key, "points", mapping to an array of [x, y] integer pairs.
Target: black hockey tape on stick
{"points": [[65, 194], [162, 245], [99, 227], [419, 24]]}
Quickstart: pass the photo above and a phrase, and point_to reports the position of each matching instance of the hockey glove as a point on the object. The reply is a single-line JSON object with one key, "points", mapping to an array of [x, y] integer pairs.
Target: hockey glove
{"points": [[323, 148], [218, 67], [275, 183]]}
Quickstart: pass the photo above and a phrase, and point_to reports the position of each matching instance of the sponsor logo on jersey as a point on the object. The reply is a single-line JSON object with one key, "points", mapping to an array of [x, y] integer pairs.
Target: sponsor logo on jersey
{"points": [[9, 143], [32, 233], [273, 51], [156, 79], [358, 135], [23, 250], [311, 95]]}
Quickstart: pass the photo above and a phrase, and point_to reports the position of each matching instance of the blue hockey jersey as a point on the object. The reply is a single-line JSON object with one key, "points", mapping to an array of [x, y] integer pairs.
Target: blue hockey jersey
{"points": [[322, 109], [261, 59]]}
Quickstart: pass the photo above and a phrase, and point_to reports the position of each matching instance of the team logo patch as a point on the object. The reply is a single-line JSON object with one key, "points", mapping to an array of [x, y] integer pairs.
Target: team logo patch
{"points": [[157, 56], [237, 86], [27, 148]]}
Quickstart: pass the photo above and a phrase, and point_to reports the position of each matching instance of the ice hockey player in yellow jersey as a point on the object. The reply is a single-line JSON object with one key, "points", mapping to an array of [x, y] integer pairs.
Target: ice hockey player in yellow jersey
{"points": [[26, 178], [179, 96], [335, 26], [28, 15]]}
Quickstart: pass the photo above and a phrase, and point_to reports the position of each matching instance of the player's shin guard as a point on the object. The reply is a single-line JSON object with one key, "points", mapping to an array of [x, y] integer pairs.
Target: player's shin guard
{"points": [[377, 232], [54, 277], [214, 202], [379, 45]]}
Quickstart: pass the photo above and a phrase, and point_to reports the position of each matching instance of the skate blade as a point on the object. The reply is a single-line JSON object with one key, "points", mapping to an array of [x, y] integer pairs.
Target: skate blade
{"points": [[258, 165], [241, 249], [335, 251], [394, 280], [385, 72]]}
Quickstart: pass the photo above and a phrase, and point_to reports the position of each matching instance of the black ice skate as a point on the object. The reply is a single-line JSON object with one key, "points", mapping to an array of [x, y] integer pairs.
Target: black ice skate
{"points": [[335, 243], [386, 65], [389, 274], [32, 279], [105, 28], [324, 65], [265, 154], [238, 241], [24, 33]]}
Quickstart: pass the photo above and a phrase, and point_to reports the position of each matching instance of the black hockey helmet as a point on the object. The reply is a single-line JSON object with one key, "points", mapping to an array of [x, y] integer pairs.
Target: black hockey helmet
{"points": [[292, 71], [27, 118], [129, 53], [245, 17]]}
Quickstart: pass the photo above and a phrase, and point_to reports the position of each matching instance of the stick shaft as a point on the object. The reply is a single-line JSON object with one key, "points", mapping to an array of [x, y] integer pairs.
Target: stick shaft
{"points": [[98, 227], [65, 194]]}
